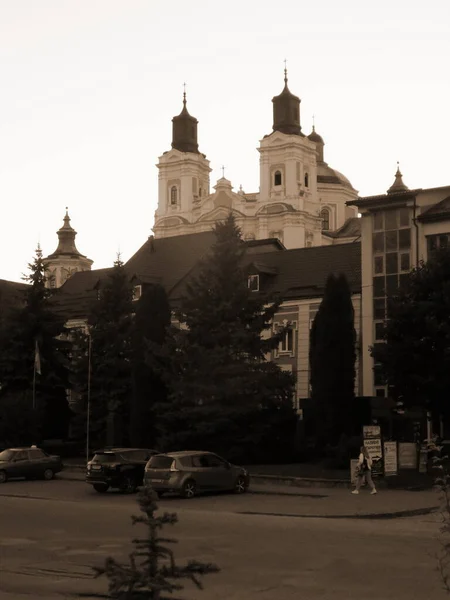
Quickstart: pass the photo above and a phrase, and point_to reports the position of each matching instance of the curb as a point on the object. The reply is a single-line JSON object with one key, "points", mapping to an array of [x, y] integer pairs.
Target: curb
{"points": [[379, 516]]}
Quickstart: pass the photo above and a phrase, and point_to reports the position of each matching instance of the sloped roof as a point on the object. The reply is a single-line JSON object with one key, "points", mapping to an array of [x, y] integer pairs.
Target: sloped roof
{"points": [[11, 294], [436, 212], [351, 228], [298, 273]]}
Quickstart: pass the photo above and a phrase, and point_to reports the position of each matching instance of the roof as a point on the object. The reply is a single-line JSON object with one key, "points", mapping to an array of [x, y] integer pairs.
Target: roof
{"points": [[298, 273], [381, 199], [351, 228], [436, 212], [11, 294]]}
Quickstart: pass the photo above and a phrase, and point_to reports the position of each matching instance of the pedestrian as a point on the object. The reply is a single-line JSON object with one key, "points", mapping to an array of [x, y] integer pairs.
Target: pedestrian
{"points": [[364, 471]]}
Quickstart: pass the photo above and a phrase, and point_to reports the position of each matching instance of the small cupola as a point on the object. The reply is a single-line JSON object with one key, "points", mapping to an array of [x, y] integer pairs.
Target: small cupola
{"points": [[398, 185], [66, 236], [184, 131], [318, 140], [286, 111]]}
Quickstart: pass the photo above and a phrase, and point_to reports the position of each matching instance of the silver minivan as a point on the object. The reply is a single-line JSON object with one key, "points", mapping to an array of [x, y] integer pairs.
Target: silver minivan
{"points": [[190, 472]]}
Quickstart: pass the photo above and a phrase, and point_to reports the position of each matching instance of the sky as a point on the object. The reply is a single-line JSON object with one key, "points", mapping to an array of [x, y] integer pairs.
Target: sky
{"points": [[89, 88]]}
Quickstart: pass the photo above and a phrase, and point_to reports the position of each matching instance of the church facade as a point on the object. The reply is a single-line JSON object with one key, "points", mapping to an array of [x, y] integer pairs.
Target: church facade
{"points": [[301, 200]]}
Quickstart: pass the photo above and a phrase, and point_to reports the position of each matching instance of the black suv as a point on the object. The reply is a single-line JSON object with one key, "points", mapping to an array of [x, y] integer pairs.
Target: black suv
{"points": [[121, 468]]}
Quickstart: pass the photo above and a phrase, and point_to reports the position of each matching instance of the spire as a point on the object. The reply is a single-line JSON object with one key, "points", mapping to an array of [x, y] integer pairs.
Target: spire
{"points": [[398, 185], [66, 236], [286, 110], [318, 140], [184, 130]]}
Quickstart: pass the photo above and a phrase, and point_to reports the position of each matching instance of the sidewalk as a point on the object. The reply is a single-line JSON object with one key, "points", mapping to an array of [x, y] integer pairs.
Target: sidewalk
{"points": [[332, 502]]}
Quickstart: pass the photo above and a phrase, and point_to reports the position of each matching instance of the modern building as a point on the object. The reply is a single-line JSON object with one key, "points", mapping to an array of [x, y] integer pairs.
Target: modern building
{"points": [[398, 230], [301, 200]]}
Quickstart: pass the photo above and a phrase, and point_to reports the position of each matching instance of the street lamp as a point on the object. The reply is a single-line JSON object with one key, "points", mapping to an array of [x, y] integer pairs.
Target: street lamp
{"points": [[88, 408]]}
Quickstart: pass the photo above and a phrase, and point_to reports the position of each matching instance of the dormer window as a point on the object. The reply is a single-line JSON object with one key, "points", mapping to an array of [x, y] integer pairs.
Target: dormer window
{"points": [[306, 180], [253, 283], [325, 216], [173, 195], [277, 178], [137, 292]]}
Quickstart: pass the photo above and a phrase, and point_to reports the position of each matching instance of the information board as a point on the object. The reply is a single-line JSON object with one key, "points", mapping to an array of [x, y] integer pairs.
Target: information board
{"points": [[390, 458], [372, 441], [407, 455]]}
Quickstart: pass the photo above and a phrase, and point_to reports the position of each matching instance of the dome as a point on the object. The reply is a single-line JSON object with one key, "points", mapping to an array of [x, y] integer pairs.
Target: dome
{"points": [[315, 137], [286, 111], [184, 131]]}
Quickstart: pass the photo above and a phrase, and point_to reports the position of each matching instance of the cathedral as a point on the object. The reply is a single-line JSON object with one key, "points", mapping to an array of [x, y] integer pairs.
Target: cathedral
{"points": [[301, 200]]}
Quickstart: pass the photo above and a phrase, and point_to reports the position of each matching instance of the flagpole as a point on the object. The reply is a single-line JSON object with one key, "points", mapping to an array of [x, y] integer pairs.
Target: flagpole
{"points": [[34, 385], [88, 409]]}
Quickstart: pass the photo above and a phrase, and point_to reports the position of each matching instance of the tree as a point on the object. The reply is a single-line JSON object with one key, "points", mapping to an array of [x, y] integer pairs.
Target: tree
{"points": [[332, 358], [110, 328], [34, 330], [151, 322], [414, 358], [152, 571], [223, 393]]}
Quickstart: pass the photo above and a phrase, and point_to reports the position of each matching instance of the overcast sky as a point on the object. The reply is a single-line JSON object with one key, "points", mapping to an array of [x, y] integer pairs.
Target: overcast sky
{"points": [[89, 88]]}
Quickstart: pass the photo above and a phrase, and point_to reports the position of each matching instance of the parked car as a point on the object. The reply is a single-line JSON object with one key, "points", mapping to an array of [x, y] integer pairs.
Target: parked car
{"points": [[30, 462], [191, 472], [121, 468]]}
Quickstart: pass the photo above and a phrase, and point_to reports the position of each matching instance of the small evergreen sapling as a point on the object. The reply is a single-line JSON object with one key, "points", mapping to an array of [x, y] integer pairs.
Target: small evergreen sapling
{"points": [[152, 571]]}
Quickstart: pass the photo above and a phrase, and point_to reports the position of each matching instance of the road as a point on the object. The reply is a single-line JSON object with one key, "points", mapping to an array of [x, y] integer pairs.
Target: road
{"points": [[52, 533]]}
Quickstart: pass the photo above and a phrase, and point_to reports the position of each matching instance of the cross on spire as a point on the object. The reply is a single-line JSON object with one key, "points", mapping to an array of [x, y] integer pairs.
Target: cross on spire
{"points": [[184, 93], [285, 71], [314, 122], [223, 171]]}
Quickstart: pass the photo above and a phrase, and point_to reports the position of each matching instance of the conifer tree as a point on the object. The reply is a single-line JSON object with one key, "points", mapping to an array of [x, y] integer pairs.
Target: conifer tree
{"points": [[35, 336], [151, 322], [332, 361], [152, 572], [224, 394], [110, 327]]}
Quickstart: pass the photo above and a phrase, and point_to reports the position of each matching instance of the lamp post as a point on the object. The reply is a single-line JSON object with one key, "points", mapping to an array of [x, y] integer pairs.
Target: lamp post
{"points": [[88, 409]]}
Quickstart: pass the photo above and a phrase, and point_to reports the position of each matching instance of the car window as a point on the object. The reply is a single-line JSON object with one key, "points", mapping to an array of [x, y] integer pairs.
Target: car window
{"points": [[137, 455], [21, 455], [186, 461], [200, 461], [7, 455], [160, 462], [105, 457], [35, 454], [215, 461]]}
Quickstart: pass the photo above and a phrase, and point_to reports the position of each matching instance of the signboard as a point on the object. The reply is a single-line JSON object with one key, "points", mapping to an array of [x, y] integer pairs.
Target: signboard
{"points": [[372, 441], [353, 466], [423, 459], [371, 431], [390, 458], [407, 455]]}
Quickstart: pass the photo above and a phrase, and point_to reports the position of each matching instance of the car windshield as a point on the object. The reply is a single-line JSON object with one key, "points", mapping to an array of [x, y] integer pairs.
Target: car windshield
{"points": [[106, 457], [7, 455], [160, 462]]}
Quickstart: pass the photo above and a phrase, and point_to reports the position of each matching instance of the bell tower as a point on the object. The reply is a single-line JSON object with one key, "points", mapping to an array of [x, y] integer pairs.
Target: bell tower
{"points": [[183, 172]]}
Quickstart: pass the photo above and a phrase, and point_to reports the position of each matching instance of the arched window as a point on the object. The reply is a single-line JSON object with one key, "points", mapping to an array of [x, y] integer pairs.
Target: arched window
{"points": [[277, 178], [173, 195], [325, 216], [306, 180]]}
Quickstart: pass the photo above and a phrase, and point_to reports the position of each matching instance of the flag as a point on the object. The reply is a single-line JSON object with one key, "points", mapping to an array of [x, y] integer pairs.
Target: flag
{"points": [[37, 359]]}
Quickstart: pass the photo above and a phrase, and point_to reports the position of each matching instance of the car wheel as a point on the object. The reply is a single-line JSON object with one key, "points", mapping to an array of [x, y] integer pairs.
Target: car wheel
{"points": [[128, 485], [48, 474], [189, 489], [3, 476], [240, 486], [101, 488]]}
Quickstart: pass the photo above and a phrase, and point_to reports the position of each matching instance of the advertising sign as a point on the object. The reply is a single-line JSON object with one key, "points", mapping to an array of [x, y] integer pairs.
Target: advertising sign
{"points": [[372, 441], [390, 458], [407, 455]]}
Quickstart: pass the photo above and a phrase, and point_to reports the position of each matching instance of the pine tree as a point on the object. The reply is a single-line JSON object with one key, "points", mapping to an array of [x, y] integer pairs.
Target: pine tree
{"points": [[110, 327], [332, 361], [151, 322], [223, 393], [34, 328], [152, 572]]}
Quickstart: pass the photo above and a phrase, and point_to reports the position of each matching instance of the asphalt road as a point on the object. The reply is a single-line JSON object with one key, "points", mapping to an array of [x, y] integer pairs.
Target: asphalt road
{"points": [[51, 533]]}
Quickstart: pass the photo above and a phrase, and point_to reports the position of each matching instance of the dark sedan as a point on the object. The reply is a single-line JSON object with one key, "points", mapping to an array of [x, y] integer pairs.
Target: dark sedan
{"points": [[28, 463]]}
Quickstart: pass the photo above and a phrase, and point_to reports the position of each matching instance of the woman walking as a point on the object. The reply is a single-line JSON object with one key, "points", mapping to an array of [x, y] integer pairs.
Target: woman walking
{"points": [[364, 471]]}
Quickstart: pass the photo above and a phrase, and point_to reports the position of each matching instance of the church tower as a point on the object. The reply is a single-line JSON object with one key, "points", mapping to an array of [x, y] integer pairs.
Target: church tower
{"points": [[183, 175], [66, 260]]}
